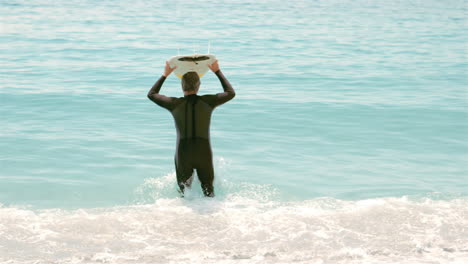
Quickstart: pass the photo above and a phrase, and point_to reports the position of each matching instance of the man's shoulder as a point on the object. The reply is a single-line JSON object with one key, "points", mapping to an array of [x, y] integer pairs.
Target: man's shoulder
{"points": [[208, 96], [209, 99], [177, 101]]}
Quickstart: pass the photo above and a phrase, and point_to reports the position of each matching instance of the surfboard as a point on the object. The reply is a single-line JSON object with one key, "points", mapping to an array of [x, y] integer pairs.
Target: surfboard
{"points": [[187, 63]]}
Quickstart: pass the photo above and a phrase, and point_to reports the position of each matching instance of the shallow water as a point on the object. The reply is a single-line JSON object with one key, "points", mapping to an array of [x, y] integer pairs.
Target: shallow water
{"points": [[350, 121]]}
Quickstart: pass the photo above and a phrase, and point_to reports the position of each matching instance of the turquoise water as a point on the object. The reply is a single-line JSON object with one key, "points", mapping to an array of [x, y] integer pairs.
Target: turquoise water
{"points": [[350, 119]]}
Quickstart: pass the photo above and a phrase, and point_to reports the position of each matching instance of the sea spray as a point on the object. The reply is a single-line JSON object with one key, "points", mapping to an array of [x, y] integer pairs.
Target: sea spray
{"points": [[201, 230]]}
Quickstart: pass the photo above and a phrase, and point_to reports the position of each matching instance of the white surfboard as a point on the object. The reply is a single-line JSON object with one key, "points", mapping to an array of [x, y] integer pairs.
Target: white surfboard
{"points": [[187, 63]]}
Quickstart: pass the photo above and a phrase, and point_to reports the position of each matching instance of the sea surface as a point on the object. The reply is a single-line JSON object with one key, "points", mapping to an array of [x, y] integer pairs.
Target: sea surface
{"points": [[347, 141]]}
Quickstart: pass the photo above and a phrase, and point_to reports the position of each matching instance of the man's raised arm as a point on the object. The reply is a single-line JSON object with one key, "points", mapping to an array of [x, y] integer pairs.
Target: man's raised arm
{"points": [[229, 92], [159, 99]]}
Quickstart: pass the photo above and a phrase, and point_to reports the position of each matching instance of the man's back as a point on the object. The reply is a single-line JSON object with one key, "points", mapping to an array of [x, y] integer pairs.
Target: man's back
{"points": [[192, 113], [192, 116]]}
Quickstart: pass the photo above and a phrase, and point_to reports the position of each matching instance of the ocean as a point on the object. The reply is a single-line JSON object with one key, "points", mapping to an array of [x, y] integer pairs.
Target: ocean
{"points": [[347, 141]]}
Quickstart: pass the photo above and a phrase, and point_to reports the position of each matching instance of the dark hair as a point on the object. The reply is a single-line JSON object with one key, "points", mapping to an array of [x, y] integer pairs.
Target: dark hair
{"points": [[190, 81]]}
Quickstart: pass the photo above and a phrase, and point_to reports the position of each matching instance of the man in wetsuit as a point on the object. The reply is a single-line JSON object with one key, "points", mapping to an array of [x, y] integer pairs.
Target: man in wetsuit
{"points": [[192, 115]]}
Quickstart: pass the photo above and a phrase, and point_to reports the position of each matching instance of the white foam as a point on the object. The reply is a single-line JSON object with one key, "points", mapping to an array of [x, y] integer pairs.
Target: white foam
{"points": [[233, 229]]}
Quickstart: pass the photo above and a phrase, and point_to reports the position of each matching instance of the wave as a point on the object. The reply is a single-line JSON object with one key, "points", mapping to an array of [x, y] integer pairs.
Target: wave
{"points": [[233, 228], [156, 188]]}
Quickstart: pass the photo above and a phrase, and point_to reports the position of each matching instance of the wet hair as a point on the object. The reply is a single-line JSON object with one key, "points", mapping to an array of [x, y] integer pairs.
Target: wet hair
{"points": [[190, 82]]}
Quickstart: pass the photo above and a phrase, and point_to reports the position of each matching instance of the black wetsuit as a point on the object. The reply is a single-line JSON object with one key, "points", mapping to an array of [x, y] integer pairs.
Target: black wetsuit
{"points": [[192, 115]]}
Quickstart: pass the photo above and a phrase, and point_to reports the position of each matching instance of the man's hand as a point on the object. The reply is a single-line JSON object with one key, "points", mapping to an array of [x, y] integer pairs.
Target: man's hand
{"points": [[168, 70], [214, 67]]}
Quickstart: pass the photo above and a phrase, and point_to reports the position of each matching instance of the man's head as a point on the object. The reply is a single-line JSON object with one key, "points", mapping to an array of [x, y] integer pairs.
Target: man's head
{"points": [[190, 82]]}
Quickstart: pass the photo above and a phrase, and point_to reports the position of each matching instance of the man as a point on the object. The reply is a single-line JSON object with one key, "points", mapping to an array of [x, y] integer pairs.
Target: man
{"points": [[192, 115]]}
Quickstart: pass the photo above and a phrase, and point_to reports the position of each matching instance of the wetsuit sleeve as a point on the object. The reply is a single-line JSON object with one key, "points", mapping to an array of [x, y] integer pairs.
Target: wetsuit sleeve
{"points": [[228, 93], [159, 99]]}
